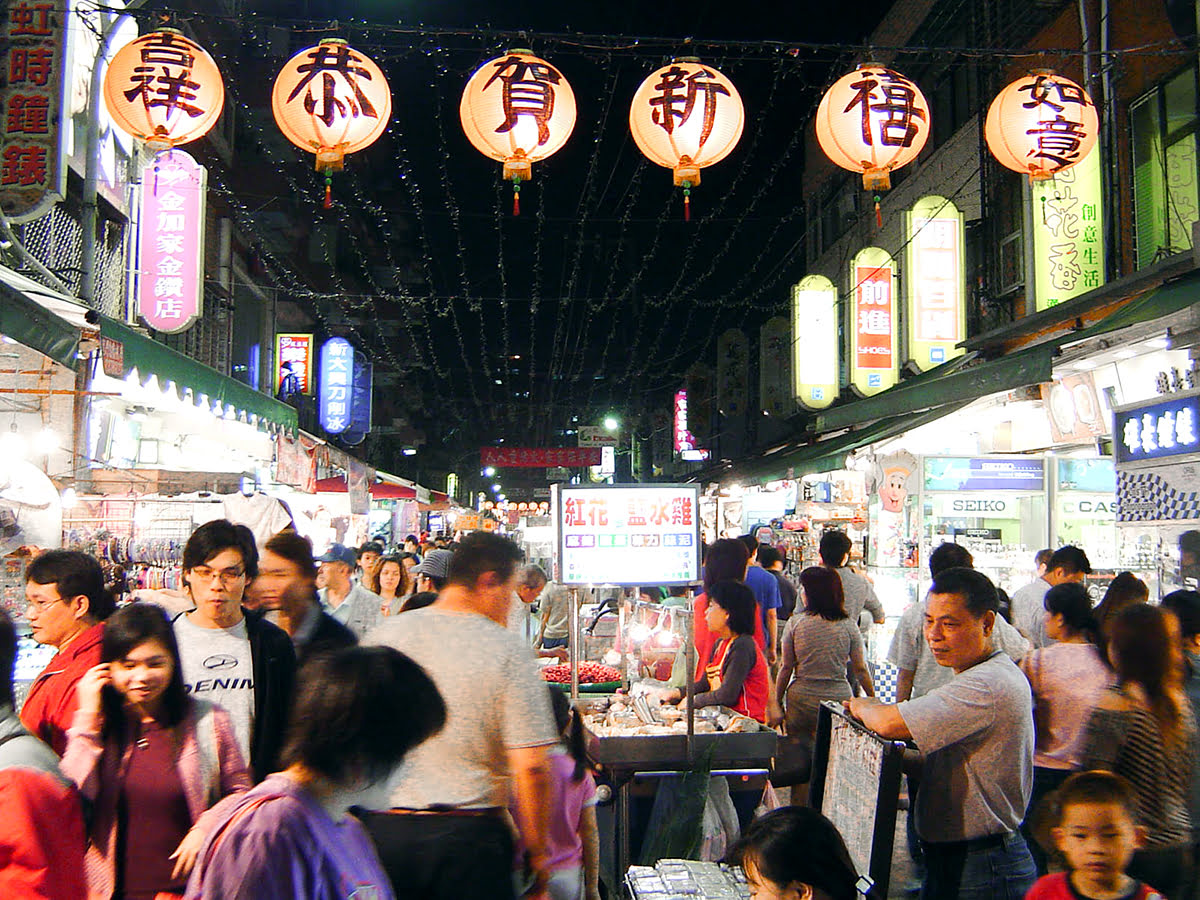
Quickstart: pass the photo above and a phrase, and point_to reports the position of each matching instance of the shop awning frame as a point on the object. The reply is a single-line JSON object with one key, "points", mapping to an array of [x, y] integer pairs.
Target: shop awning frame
{"points": [[41, 318]]}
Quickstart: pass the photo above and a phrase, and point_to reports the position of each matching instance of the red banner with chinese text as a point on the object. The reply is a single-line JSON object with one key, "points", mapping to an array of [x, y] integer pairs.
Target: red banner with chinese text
{"points": [[874, 321], [539, 457]]}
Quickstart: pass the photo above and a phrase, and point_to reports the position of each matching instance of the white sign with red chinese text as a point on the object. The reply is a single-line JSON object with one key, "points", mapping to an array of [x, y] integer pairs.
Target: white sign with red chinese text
{"points": [[936, 312], [627, 534], [873, 332], [171, 242]]}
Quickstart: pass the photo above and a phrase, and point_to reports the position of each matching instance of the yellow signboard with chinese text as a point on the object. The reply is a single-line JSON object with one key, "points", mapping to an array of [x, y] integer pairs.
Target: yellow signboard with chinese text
{"points": [[815, 357], [1068, 233], [934, 282]]}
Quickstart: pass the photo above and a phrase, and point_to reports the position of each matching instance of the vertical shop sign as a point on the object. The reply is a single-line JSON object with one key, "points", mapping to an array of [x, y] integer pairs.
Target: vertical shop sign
{"points": [[1068, 233], [733, 372], [698, 380], [934, 280], [337, 381], [361, 395], [33, 171], [815, 358], [293, 358], [171, 242], [873, 357], [775, 367]]}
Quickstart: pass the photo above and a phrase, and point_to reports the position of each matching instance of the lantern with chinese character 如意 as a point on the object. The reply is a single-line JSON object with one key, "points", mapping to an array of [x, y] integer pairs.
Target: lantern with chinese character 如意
{"points": [[164, 89], [518, 110], [331, 100], [873, 121], [1041, 124], [684, 117]]}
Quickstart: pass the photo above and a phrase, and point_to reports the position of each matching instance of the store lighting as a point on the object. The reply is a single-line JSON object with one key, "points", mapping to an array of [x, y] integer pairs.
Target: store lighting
{"points": [[639, 633], [495, 488], [45, 441], [611, 424], [409, 451], [489, 471], [1158, 343], [12, 445], [69, 498]]}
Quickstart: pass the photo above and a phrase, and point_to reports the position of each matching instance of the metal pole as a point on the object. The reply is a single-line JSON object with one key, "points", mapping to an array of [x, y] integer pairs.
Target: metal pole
{"points": [[573, 643], [690, 658], [624, 639]]}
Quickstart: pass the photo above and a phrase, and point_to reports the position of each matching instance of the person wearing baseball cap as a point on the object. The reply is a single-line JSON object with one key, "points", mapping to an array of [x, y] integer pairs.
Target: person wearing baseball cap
{"points": [[344, 599]]}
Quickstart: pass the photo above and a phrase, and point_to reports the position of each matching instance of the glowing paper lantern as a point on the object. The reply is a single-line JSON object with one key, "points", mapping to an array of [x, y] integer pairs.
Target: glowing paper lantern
{"points": [[331, 100], [684, 117], [1041, 124], [518, 110], [873, 121], [164, 89]]}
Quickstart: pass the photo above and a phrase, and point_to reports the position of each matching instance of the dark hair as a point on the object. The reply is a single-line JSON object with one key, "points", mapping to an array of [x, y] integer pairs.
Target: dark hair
{"points": [[219, 535], [1186, 607], [726, 561], [1097, 787], [296, 549], [768, 556], [358, 711], [563, 719], [751, 543], [419, 600], [1124, 591], [1042, 557], [950, 556], [736, 598], [370, 547], [8, 658], [1189, 542], [798, 844], [1074, 603], [1071, 560], [479, 553], [411, 537], [126, 629], [1140, 645], [976, 589], [402, 587], [74, 574], [834, 547], [823, 593]]}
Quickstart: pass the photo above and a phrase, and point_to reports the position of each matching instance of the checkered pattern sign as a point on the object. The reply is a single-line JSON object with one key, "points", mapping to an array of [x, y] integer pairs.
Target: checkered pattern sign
{"points": [[1147, 497], [884, 675]]}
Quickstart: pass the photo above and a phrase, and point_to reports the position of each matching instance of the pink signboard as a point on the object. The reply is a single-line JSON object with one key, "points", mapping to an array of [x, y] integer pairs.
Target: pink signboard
{"points": [[171, 242]]}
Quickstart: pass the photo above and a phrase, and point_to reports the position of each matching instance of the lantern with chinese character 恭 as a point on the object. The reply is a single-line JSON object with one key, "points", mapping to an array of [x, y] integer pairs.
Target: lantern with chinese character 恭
{"points": [[164, 89], [1041, 124], [331, 100], [518, 110], [684, 117], [873, 121]]}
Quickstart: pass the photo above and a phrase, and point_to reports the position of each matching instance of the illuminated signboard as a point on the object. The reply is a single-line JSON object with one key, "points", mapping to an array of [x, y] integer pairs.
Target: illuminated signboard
{"points": [[984, 474], [1156, 430], [1068, 233], [628, 534], [293, 356], [815, 342], [873, 355], [683, 437], [337, 379], [936, 312], [171, 242]]}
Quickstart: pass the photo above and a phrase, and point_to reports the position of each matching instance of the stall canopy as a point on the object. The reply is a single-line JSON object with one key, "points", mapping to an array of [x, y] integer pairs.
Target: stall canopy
{"points": [[40, 318], [379, 490]]}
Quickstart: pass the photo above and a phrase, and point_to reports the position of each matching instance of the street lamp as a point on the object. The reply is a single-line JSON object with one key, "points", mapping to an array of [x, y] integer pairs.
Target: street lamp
{"points": [[489, 471], [611, 424], [495, 488]]}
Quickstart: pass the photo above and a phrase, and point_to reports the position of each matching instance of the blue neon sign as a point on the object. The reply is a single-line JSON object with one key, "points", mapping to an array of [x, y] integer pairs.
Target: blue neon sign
{"points": [[336, 405], [1167, 428]]}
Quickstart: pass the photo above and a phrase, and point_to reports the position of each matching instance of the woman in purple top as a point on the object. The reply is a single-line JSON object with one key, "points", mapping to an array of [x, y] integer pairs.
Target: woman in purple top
{"points": [[358, 711]]}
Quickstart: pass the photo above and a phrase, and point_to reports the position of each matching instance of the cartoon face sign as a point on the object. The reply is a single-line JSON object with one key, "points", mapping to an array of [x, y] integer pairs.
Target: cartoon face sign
{"points": [[893, 490]]}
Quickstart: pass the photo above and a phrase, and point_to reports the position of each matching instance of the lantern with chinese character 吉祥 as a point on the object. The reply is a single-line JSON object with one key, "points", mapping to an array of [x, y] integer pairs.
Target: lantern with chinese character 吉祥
{"points": [[1041, 124], [331, 100], [873, 121], [518, 110], [164, 89], [684, 117]]}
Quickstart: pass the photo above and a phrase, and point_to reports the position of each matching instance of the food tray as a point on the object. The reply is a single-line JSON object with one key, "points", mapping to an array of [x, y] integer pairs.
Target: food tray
{"points": [[603, 687], [745, 749]]}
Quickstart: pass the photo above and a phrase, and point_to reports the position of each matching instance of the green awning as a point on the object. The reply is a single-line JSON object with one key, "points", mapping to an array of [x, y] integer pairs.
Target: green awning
{"points": [[150, 357], [1166, 299], [40, 318]]}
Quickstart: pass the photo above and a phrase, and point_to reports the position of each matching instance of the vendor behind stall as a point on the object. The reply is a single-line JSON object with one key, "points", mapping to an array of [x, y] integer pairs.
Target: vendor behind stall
{"points": [[736, 673]]}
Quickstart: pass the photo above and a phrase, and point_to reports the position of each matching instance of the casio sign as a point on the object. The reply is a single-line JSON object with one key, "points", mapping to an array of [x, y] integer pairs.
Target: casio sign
{"points": [[998, 506]]}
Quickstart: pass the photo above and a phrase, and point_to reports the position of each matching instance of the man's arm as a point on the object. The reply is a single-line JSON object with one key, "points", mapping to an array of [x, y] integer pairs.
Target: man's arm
{"points": [[873, 605], [589, 833], [530, 767], [882, 718], [772, 636], [904, 684]]}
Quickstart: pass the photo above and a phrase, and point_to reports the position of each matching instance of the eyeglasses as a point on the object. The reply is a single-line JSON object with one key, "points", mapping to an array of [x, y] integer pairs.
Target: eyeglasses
{"points": [[227, 576], [40, 606]]}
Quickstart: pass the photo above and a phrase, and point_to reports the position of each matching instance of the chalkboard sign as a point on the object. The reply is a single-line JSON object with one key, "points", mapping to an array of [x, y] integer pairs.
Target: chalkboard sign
{"points": [[856, 785]]}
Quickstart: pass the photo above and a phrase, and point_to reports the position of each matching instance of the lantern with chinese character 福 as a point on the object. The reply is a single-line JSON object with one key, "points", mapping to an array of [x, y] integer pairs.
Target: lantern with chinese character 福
{"points": [[518, 110], [873, 121], [331, 100], [164, 89], [1041, 124], [684, 117]]}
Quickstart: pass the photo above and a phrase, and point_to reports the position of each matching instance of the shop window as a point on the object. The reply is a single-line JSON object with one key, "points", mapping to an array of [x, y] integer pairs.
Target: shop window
{"points": [[1166, 200]]}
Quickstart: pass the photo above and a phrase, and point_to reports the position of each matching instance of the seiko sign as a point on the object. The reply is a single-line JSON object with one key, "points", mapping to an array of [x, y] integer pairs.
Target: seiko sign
{"points": [[978, 506]]}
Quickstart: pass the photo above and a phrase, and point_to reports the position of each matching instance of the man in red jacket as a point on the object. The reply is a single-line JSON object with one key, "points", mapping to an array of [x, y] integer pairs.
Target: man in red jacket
{"points": [[66, 604]]}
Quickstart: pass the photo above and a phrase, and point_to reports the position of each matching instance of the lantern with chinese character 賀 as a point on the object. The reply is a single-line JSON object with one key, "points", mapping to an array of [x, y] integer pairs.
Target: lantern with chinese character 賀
{"points": [[1041, 124], [684, 117], [331, 100], [164, 89], [873, 121], [518, 110]]}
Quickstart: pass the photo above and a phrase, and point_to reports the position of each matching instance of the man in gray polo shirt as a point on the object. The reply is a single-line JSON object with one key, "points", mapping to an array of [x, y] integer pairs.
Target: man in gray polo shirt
{"points": [[343, 597], [976, 732]]}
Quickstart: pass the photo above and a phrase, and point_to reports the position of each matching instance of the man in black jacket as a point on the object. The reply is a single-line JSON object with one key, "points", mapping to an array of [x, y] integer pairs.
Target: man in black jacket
{"points": [[230, 655]]}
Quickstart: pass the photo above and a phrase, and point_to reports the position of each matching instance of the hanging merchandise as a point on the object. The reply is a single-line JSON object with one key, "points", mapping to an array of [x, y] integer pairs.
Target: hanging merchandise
{"points": [[684, 117], [163, 88], [331, 100], [1041, 124], [517, 109]]}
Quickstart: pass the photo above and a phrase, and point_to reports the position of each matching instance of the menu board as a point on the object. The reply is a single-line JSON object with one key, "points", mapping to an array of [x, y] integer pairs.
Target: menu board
{"points": [[627, 534]]}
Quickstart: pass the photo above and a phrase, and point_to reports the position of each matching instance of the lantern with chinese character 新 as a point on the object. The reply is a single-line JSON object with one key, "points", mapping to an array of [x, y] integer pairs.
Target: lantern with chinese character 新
{"points": [[873, 121], [684, 117], [164, 89], [1041, 124], [331, 100], [518, 110]]}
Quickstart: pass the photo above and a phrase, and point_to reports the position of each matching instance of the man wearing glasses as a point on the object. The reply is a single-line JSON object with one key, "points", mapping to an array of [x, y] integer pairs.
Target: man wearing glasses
{"points": [[230, 655]]}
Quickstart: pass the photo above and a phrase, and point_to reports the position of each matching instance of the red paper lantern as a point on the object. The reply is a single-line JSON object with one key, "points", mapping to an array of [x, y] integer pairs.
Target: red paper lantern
{"points": [[163, 88], [1041, 124]]}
